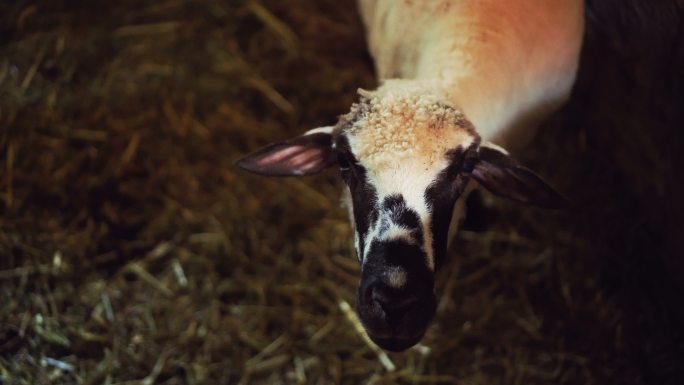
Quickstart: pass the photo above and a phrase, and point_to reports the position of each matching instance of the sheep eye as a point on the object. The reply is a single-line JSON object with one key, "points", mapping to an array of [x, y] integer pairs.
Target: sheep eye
{"points": [[468, 166]]}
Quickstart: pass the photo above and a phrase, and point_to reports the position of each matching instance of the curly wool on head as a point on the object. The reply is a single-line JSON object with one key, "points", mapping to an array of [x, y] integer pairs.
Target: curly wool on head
{"points": [[403, 119]]}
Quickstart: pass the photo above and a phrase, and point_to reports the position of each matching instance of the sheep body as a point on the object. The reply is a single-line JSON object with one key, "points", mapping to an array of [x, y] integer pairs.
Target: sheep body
{"points": [[505, 64], [455, 75]]}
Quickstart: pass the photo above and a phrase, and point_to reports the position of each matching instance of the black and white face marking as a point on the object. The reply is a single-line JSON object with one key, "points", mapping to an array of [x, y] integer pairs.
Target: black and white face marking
{"points": [[401, 211], [395, 297], [360, 196], [405, 159], [443, 193]]}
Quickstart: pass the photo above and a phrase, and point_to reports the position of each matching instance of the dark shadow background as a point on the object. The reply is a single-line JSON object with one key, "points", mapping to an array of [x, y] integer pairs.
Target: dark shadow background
{"points": [[132, 250]]}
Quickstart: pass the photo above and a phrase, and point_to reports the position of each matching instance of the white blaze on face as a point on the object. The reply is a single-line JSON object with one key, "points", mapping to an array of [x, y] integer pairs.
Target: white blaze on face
{"points": [[401, 138]]}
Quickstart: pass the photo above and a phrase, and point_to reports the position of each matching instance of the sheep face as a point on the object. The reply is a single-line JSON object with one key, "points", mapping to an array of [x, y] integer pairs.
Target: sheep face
{"points": [[405, 160]]}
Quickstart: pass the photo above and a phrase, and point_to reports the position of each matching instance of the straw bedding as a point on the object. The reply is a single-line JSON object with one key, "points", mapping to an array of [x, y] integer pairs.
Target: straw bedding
{"points": [[132, 251]]}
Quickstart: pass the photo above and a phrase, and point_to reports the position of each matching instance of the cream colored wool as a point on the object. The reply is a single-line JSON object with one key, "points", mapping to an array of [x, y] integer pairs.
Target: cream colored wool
{"points": [[406, 121]]}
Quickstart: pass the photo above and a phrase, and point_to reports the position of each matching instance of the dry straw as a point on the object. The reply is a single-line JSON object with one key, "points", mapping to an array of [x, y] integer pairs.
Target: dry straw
{"points": [[132, 251]]}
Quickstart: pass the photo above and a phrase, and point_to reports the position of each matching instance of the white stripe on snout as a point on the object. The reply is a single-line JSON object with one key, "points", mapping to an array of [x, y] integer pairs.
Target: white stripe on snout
{"points": [[396, 277], [396, 232]]}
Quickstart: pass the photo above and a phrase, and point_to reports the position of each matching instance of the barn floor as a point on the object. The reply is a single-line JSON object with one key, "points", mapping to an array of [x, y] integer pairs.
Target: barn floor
{"points": [[132, 250]]}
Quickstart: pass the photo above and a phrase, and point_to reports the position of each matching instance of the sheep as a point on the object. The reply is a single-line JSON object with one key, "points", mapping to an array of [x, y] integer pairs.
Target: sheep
{"points": [[460, 81]]}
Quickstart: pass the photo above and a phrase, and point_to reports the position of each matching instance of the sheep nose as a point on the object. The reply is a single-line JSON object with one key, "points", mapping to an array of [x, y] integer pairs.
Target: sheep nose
{"points": [[394, 304]]}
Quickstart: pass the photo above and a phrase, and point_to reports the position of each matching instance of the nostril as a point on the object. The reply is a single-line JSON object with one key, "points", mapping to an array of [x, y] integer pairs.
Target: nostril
{"points": [[393, 304]]}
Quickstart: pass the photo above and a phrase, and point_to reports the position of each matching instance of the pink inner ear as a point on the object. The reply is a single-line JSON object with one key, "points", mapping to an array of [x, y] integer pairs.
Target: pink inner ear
{"points": [[278, 156], [299, 156], [305, 157], [313, 163]]}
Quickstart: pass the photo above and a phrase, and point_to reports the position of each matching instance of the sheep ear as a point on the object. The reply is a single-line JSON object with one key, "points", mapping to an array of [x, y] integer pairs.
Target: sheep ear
{"points": [[304, 155], [502, 175]]}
